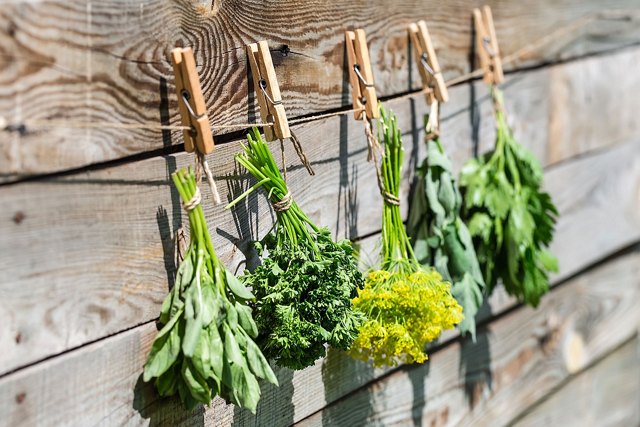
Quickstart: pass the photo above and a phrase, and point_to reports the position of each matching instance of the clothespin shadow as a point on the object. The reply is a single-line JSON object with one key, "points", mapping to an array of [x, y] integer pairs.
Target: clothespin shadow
{"points": [[193, 109], [363, 90], [267, 91], [486, 46], [432, 80]]}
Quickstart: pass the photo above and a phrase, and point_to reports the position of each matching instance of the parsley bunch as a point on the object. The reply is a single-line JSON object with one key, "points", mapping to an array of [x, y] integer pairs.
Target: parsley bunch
{"points": [[406, 305], [510, 218], [440, 237], [206, 346], [305, 285]]}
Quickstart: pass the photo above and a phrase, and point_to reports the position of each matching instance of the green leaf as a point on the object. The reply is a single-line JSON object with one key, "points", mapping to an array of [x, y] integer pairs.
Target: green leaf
{"points": [[258, 363], [197, 386], [231, 348], [237, 287], [246, 319], [164, 351]]}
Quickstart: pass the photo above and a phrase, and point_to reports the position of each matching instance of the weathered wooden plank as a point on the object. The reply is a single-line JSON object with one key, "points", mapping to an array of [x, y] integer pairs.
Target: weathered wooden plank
{"points": [[81, 61], [309, 390], [93, 254], [607, 394], [518, 360]]}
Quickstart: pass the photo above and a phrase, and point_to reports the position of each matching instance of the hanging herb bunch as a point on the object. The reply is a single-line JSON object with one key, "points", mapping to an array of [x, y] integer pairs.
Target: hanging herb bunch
{"points": [[510, 218], [305, 284], [206, 346], [406, 305], [439, 236]]}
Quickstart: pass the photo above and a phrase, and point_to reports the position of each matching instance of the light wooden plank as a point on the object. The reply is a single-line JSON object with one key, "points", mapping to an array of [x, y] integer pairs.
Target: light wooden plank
{"points": [[90, 257], [80, 61], [607, 394], [518, 360], [310, 390]]}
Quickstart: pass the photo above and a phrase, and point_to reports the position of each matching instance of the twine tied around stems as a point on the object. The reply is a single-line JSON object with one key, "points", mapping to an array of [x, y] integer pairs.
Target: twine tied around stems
{"points": [[194, 202], [284, 203], [432, 127], [375, 150]]}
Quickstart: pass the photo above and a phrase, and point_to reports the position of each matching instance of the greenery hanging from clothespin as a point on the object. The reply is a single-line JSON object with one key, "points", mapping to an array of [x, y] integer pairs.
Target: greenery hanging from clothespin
{"points": [[510, 218], [206, 346], [193, 111], [305, 284], [439, 236], [269, 98], [406, 304]]}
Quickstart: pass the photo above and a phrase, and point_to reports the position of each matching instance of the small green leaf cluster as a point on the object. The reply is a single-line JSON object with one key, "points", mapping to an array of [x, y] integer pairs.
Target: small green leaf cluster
{"points": [[510, 218], [440, 238], [406, 305], [305, 284], [206, 346]]}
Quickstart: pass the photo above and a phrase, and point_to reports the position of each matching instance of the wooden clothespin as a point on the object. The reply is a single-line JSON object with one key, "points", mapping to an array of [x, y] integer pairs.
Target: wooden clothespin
{"points": [[363, 90], [267, 91], [487, 46], [432, 80], [192, 107]]}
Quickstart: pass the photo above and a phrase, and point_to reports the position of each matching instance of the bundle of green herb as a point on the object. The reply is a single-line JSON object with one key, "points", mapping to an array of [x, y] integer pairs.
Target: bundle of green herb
{"points": [[406, 305], [305, 285], [206, 346], [440, 238], [510, 218]]}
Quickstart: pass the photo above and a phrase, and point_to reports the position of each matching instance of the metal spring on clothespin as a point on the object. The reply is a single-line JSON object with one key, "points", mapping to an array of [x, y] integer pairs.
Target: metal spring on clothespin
{"points": [[487, 46]]}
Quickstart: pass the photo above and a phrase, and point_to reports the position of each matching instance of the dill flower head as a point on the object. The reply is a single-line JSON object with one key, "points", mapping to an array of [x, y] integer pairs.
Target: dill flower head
{"points": [[405, 310]]}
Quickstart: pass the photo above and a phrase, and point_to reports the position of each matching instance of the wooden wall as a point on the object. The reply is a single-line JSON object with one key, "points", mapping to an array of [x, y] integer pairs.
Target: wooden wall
{"points": [[89, 214]]}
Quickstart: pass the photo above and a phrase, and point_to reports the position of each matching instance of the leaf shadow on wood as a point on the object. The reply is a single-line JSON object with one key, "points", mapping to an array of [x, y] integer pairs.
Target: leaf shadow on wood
{"points": [[475, 361], [340, 376], [164, 411], [275, 408], [245, 218]]}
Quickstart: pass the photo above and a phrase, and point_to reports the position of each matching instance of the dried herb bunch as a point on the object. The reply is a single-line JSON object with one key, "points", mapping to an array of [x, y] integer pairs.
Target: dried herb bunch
{"points": [[306, 281], [510, 218], [406, 305], [206, 346]]}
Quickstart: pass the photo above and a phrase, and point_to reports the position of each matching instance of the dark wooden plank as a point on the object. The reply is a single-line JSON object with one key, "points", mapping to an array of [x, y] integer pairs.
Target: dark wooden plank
{"points": [[78, 61], [518, 360]]}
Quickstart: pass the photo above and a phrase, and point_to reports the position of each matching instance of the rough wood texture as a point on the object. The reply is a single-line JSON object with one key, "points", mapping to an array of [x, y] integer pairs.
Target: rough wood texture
{"points": [[607, 394], [518, 360], [73, 61], [93, 254]]}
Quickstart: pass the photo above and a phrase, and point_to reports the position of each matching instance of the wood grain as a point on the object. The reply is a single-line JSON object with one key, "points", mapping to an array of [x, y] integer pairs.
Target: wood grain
{"points": [[607, 394], [518, 360], [81, 61], [92, 255]]}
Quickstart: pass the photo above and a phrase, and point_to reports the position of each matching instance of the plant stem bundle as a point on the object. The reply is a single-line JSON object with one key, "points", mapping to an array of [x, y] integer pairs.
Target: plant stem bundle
{"points": [[305, 285], [406, 305], [206, 346]]}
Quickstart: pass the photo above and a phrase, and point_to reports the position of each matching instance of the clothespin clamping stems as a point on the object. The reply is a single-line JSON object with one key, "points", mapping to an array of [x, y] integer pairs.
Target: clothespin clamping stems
{"points": [[487, 46], [361, 76], [432, 80], [192, 107], [268, 91]]}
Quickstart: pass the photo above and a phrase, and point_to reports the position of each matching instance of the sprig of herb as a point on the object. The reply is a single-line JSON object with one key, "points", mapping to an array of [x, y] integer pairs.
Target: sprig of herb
{"points": [[406, 305], [510, 218], [305, 285], [440, 237], [206, 346]]}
